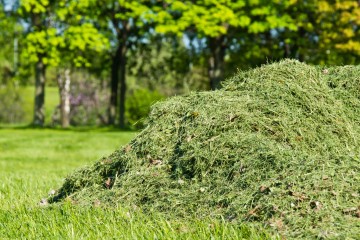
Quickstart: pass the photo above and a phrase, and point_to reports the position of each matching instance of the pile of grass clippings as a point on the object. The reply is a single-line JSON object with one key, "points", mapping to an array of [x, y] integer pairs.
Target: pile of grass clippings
{"points": [[277, 145]]}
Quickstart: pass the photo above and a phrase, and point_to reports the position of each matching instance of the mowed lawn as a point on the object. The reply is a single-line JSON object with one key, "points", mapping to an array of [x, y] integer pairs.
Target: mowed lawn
{"points": [[35, 161]]}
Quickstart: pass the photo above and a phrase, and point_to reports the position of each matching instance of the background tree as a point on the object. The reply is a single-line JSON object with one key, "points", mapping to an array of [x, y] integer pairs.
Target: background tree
{"points": [[328, 32], [9, 38], [337, 26], [11, 110], [167, 46], [217, 22], [126, 22], [67, 41], [40, 41], [167, 65]]}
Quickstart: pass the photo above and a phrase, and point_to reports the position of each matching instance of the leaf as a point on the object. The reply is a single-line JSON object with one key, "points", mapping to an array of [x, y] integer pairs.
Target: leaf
{"points": [[108, 183], [315, 205]]}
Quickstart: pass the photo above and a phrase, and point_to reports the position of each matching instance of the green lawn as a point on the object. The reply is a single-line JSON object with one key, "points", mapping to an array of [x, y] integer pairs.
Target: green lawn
{"points": [[33, 162]]}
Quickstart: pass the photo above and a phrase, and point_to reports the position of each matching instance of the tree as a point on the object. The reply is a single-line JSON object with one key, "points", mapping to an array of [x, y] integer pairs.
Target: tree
{"points": [[337, 26], [328, 32], [6, 33], [79, 44], [127, 22], [38, 49], [66, 39], [219, 22]]}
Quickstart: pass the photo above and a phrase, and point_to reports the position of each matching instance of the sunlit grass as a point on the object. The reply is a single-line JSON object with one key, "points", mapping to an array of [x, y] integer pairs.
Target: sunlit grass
{"points": [[33, 162]]}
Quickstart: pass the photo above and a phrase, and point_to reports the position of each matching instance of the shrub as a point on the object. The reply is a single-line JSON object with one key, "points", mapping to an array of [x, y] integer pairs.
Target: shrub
{"points": [[11, 110], [138, 106]]}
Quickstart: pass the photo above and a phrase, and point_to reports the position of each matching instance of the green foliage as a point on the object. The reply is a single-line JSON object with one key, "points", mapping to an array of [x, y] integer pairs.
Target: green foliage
{"points": [[217, 18], [9, 30], [138, 106], [70, 44], [167, 67], [339, 32], [277, 145], [79, 33], [328, 32], [11, 110]]}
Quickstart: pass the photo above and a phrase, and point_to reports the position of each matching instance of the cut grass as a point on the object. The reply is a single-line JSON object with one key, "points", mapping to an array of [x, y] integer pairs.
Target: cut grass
{"points": [[277, 145], [32, 162]]}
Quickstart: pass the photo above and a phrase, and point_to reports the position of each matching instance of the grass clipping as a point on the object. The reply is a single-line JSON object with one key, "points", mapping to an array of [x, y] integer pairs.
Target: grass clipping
{"points": [[277, 145]]}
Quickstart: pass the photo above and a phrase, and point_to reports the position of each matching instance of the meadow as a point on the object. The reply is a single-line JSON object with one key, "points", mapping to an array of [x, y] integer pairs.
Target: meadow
{"points": [[35, 161]]}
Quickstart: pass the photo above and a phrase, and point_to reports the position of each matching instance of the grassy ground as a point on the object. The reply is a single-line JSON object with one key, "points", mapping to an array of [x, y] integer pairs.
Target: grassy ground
{"points": [[33, 162]]}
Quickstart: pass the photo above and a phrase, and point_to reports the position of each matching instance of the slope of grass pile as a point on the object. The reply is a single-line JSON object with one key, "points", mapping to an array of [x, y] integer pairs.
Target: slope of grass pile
{"points": [[277, 145]]}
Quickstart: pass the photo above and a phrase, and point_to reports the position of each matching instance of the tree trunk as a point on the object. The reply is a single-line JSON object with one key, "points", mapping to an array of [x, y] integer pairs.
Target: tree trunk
{"points": [[39, 116], [64, 91], [122, 86], [114, 87], [216, 61], [119, 66], [294, 50]]}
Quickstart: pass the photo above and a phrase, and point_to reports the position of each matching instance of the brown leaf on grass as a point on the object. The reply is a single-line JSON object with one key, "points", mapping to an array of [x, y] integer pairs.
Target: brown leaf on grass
{"points": [[357, 214], [264, 189], [96, 203], [316, 205], [232, 117], [355, 211], [254, 212], [298, 195], [106, 161], [299, 138], [153, 161], [350, 210], [195, 114], [156, 162], [108, 183], [127, 148], [276, 223]]}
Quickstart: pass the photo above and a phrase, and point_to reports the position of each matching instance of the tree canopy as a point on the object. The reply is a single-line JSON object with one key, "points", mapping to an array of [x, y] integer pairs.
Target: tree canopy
{"points": [[170, 45]]}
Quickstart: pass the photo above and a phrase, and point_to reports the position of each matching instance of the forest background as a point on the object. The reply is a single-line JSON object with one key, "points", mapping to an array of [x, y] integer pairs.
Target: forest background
{"points": [[74, 63]]}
